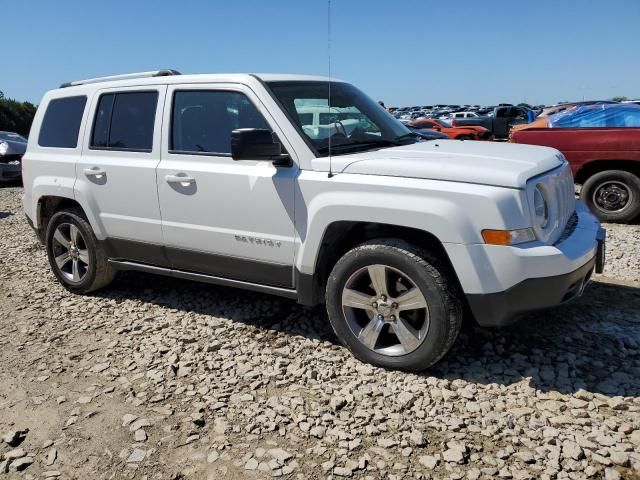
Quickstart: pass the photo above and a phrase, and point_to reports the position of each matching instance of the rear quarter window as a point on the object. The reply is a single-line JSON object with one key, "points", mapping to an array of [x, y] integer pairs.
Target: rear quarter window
{"points": [[61, 122]]}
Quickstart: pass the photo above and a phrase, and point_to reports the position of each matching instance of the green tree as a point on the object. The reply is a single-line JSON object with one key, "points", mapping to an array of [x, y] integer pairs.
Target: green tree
{"points": [[619, 99]]}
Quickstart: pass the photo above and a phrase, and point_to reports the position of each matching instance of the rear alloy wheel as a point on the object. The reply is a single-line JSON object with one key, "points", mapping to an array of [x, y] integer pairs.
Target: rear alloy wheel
{"points": [[78, 261], [70, 252], [394, 305], [613, 196]]}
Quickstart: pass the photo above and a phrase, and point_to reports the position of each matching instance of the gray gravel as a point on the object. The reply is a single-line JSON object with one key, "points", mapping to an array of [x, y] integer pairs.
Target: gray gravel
{"points": [[161, 379], [623, 245]]}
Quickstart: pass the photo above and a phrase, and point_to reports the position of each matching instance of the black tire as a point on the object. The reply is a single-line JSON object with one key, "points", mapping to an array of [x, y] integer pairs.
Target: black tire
{"points": [[619, 182], [428, 273], [99, 272]]}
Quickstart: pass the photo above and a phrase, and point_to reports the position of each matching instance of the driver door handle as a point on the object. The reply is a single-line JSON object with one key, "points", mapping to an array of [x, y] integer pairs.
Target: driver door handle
{"points": [[94, 172], [181, 178]]}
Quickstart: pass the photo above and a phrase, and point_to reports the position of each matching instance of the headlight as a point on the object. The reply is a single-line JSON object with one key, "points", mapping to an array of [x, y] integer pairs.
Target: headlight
{"points": [[4, 146], [540, 206]]}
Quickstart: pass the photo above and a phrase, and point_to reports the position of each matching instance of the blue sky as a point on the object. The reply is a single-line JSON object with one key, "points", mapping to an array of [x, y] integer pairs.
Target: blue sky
{"points": [[405, 52]]}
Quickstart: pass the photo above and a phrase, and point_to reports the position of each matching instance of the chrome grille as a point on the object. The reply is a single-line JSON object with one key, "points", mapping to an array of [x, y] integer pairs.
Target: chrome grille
{"points": [[565, 196], [569, 228], [560, 190]]}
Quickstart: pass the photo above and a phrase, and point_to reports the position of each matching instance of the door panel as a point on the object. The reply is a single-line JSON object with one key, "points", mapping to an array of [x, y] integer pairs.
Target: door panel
{"points": [[117, 182], [219, 216]]}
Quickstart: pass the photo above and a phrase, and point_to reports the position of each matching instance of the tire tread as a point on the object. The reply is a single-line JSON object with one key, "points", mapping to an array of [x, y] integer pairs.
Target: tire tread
{"points": [[633, 182], [104, 272], [437, 269]]}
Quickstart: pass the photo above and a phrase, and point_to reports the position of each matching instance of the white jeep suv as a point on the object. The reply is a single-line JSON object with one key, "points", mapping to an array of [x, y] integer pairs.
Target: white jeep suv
{"points": [[218, 178]]}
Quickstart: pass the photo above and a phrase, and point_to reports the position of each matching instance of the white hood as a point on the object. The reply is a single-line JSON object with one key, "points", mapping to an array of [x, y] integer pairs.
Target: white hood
{"points": [[487, 163]]}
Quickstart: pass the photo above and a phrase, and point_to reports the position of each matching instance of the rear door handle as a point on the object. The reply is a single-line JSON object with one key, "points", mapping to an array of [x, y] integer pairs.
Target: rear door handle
{"points": [[180, 178], [94, 171]]}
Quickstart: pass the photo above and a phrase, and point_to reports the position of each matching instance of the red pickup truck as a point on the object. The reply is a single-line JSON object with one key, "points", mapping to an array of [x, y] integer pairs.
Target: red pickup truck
{"points": [[604, 160]]}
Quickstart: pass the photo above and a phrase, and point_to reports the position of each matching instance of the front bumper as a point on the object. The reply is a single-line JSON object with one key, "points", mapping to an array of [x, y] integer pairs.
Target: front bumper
{"points": [[504, 308], [510, 281]]}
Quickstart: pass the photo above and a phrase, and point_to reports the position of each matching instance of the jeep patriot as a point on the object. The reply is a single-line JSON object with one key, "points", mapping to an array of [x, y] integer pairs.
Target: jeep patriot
{"points": [[304, 187]]}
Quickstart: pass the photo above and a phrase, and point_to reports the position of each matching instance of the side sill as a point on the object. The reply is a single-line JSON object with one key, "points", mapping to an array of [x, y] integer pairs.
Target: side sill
{"points": [[200, 277]]}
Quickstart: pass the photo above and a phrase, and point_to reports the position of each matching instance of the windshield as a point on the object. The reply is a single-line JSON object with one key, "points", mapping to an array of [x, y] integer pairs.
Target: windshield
{"points": [[353, 122], [443, 123], [12, 136]]}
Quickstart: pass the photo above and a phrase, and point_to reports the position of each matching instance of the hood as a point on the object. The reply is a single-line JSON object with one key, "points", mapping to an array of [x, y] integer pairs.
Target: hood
{"points": [[487, 163]]}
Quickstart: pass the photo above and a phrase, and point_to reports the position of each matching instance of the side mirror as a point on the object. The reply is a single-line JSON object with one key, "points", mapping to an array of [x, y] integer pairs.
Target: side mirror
{"points": [[256, 144]]}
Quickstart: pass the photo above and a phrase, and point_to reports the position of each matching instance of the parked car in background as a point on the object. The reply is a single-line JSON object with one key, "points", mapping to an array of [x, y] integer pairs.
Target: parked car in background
{"points": [[426, 133], [12, 147], [499, 121], [553, 109], [457, 133], [605, 160], [457, 115]]}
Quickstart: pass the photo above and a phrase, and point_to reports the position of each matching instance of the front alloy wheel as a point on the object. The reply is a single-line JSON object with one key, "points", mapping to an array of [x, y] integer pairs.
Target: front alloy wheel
{"points": [[394, 305], [385, 310]]}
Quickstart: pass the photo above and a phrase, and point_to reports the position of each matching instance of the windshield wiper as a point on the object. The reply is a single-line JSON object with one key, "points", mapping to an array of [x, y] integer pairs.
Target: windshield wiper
{"points": [[356, 146], [406, 136]]}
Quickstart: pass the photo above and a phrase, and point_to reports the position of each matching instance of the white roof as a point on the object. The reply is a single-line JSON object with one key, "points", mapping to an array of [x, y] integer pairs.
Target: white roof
{"points": [[148, 78], [283, 77]]}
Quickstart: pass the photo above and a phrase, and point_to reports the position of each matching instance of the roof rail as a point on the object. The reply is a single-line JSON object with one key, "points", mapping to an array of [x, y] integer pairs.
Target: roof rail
{"points": [[127, 76]]}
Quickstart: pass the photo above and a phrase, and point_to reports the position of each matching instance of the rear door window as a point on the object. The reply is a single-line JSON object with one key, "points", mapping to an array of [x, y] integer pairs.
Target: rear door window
{"points": [[124, 121], [61, 122]]}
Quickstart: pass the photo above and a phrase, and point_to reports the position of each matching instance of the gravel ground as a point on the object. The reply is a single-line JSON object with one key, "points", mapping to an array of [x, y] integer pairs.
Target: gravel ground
{"points": [[623, 252], [153, 378]]}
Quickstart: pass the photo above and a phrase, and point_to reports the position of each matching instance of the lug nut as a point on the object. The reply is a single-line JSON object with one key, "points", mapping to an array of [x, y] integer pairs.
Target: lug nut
{"points": [[383, 298], [392, 318], [394, 305], [380, 317]]}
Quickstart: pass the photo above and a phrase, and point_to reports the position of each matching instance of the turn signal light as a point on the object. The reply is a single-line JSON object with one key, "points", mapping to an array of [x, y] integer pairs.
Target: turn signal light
{"points": [[508, 237]]}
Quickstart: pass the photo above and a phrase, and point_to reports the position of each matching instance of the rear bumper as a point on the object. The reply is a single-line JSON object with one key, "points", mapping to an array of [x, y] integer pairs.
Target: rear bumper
{"points": [[504, 308]]}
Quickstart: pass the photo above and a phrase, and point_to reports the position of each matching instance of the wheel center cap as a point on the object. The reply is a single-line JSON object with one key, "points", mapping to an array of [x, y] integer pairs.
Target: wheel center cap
{"points": [[384, 308], [613, 197], [74, 252]]}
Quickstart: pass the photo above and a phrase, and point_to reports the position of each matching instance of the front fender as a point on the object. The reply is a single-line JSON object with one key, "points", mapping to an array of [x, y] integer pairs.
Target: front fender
{"points": [[451, 211]]}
